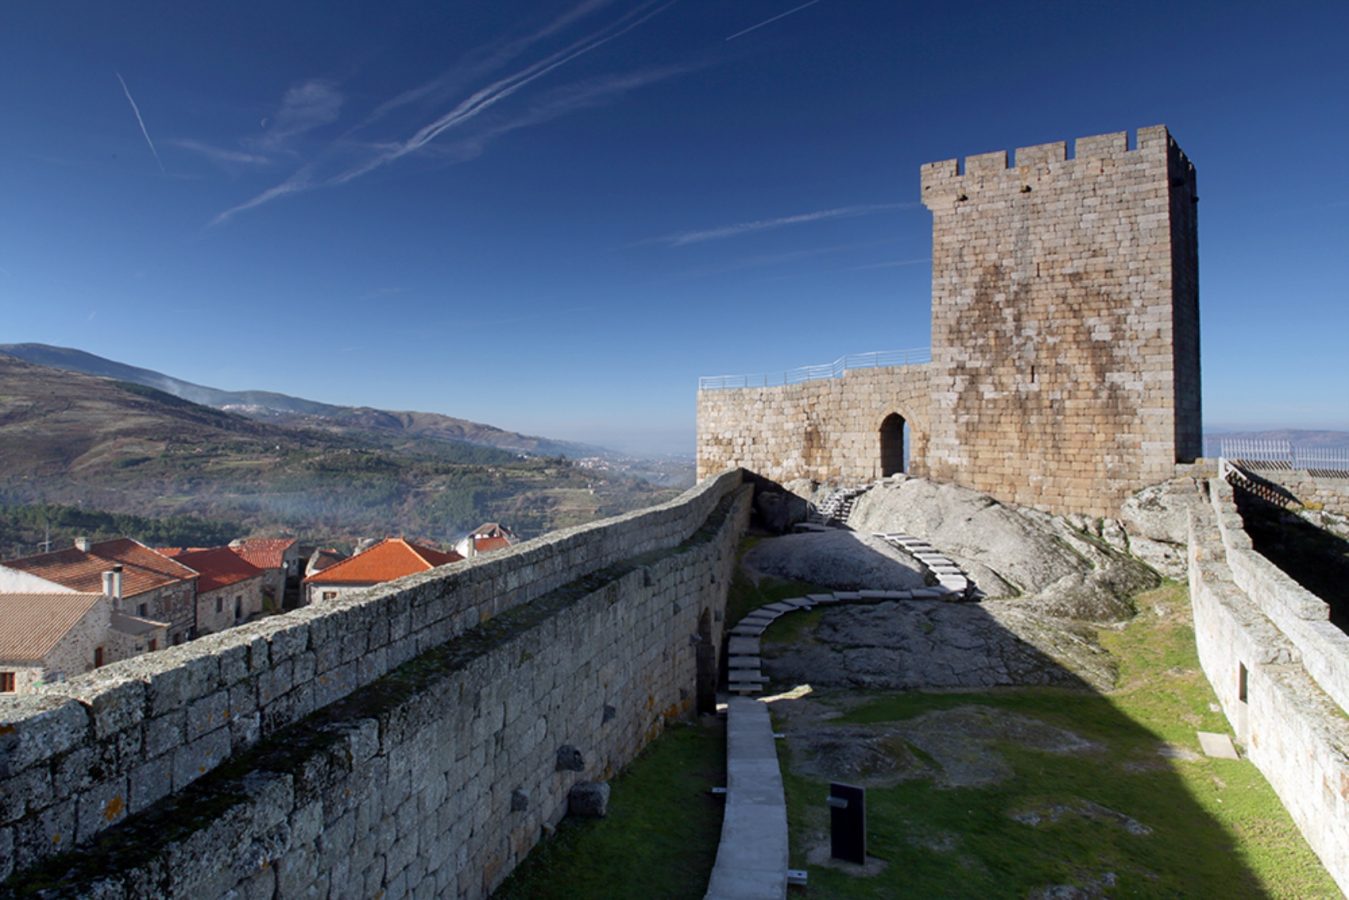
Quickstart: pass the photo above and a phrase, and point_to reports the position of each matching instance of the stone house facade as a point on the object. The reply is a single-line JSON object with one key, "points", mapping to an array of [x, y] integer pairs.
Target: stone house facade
{"points": [[229, 588], [50, 637], [279, 560], [151, 586]]}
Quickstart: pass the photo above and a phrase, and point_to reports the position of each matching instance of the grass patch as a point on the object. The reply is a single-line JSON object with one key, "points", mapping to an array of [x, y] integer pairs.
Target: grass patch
{"points": [[660, 837], [745, 596], [1210, 827]]}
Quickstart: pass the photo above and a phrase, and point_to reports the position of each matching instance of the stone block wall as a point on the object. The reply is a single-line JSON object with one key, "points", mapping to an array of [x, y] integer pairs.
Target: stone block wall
{"points": [[1064, 320], [401, 740], [1281, 673], [827, 430], [1315, 490]]}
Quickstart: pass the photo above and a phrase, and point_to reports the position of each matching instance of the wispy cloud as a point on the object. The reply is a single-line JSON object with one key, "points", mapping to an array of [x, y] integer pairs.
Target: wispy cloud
{"points": [[305, 106], [139, 121], [300, 181], [891, 264], [684, 238], [346, 160], [775, 260], [772, 20], [484, 99], [223, 155]]}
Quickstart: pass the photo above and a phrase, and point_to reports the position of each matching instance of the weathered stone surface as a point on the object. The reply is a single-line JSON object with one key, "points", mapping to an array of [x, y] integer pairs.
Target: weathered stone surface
{"points": [[34, 727], [915, 644], [589, 799], [569, 759], [1009, 551], [838, 559]]}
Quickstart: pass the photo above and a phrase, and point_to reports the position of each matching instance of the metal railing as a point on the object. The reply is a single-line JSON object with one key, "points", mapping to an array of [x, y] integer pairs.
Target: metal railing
{"points": [[835, 369], [1276, 454]]}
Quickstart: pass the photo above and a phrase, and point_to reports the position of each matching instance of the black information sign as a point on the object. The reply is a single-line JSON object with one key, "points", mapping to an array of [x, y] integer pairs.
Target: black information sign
{"points": [[848, 823]]}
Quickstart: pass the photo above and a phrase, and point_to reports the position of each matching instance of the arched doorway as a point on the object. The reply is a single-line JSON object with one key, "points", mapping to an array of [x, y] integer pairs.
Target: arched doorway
{"points": [[706, 662], [894, 445]]}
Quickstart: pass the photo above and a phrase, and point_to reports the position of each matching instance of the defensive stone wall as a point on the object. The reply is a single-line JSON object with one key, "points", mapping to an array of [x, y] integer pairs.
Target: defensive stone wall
{"points": [[1065, 339], [1281, 673], [827, 430], [1326, 490], [418, 738]]}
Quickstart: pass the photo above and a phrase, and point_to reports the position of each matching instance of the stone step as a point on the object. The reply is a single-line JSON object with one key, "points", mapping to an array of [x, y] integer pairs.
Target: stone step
{"points": [[742, 646], [745, 688], [847, 596], [742, 662], [800, 602], [822, 598], [780, 607]]}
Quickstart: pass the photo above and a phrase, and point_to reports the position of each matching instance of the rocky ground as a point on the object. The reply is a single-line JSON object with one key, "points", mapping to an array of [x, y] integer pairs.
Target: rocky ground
{"points": [[1047, 583]]}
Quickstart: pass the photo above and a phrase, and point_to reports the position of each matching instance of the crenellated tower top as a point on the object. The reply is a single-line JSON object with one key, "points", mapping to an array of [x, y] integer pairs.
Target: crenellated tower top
{"points": [[952, 181]]}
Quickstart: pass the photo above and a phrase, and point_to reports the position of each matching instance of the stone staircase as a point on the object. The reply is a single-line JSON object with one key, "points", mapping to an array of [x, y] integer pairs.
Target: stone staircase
{"points": [[949, 575], [835, 508]]}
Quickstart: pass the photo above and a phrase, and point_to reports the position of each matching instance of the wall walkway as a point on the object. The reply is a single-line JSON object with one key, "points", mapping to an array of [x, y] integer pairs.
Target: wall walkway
{"points": [[416, 739]]}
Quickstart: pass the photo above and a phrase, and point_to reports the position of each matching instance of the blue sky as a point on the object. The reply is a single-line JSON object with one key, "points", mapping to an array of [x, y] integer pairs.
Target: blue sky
{"points": [[554, 216]]}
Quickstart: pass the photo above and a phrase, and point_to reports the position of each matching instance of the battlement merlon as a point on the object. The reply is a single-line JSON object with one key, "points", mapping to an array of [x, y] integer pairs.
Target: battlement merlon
{"points": [[944, 182]]}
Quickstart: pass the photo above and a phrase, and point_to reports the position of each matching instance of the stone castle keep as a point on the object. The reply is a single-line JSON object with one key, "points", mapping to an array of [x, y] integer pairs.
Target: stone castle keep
{"points": [[1065, 341]]}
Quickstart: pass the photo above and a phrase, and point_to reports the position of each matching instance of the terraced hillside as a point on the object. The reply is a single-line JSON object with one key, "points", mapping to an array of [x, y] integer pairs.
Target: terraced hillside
{"points": [[126, 448]]}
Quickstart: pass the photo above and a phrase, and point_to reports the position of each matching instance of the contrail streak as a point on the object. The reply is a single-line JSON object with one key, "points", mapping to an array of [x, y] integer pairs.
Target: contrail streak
{"points": [[136, 109], [772, 20]]}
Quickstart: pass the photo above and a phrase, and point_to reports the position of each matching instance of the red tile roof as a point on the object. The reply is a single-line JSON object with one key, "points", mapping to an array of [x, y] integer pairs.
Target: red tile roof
{"points": [[219, 567], [488, 544], [265, 553], [82, 570], [32, 624], [493, 529], [387, 560]]}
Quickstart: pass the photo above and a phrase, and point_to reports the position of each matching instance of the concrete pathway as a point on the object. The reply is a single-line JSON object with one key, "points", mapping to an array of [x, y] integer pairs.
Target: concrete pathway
{"points": [[752, 856]]}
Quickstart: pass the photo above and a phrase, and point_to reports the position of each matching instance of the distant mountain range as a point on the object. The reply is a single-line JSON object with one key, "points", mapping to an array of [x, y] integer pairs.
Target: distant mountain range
{"points": [[283, 409], [106, 442]]}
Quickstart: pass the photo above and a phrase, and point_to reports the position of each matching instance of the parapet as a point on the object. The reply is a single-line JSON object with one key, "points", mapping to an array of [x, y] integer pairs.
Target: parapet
{"points": [[954, 180]]}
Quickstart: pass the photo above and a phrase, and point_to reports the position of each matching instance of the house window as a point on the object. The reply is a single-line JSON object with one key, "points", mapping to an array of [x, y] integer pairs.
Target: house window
{"points": [[6, 682], [98, 657], [142, 610], [330, 595], [239, 607], [219, 605], [1242, 686], [154, 644]]}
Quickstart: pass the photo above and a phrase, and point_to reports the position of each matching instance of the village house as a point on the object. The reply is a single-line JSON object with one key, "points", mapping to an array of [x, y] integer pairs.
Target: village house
{"points": [[322, 558], [388, 560], [51, 636], [278, 558], [150, 586], [229, 587], [486, 538]]}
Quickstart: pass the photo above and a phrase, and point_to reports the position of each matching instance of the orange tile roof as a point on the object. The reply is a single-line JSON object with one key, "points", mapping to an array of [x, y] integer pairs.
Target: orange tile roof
{"points": [[389, 559], [32, 624], [219, 567], [265, 553], [82, 570], [488, 544]]}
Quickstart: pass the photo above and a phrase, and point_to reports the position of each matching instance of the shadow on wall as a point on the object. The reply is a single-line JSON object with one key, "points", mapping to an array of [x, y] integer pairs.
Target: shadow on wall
{"points": [[1311, 556], [993, 768]]}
